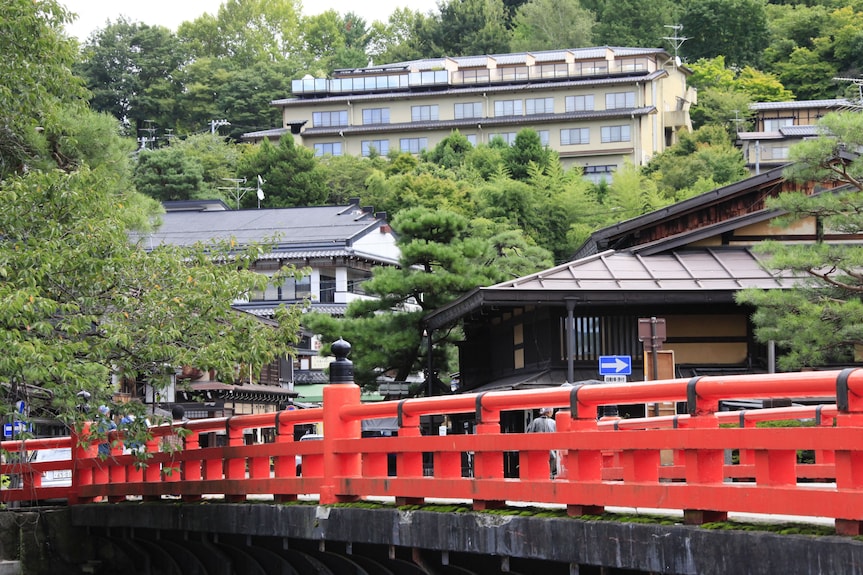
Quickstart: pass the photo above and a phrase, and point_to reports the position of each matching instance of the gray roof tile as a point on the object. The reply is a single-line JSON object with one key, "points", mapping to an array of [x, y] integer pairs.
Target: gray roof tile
{"points": [[331, 226], [689, 269]]}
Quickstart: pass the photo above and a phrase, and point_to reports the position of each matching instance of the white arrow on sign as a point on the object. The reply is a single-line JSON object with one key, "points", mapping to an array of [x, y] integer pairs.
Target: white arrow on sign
{"points": [[616, 364]]}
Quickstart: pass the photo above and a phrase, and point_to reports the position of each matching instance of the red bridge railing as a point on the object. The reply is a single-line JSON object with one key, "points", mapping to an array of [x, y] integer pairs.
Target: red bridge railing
{"points": [[671, 462]]}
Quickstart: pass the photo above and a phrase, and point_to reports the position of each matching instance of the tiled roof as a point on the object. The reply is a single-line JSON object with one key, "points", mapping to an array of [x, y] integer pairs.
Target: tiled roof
{"points": [[688, 269], [266, 309], [799, 131], [696, 275], [303, 228], [271, 133], [796, 105]]}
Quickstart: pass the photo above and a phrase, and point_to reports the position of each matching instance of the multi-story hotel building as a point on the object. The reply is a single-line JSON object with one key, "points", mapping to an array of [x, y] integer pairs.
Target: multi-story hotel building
{"points": [[597, 107]]}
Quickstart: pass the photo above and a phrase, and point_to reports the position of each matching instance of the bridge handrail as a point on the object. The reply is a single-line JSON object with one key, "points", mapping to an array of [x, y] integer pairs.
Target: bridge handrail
{"points": [[678, 462]]}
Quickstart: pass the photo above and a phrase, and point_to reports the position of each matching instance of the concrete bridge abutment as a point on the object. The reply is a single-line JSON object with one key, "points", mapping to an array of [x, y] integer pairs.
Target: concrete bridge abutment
{"points": [[214, 538]]}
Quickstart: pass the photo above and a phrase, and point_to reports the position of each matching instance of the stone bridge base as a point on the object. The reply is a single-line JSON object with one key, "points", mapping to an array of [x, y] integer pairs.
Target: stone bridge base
{"points": [[262, 538]]}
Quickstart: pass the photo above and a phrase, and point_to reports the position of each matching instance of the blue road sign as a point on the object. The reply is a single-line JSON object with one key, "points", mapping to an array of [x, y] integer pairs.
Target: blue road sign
{"points": [[615, 365], [14, 428]]}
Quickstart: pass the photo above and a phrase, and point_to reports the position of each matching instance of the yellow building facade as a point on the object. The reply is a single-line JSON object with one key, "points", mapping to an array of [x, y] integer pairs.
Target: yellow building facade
{"points": [[597, 107]]}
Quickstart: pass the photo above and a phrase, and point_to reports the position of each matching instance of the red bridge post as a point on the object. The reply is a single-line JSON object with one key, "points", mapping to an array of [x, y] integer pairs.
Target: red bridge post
{"points": [[82, 475], [849, 463], [339, 466]]}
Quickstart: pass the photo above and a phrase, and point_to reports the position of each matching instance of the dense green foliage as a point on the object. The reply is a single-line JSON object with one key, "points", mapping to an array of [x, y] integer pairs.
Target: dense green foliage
{"points": [[81, 305], [233, 64]]}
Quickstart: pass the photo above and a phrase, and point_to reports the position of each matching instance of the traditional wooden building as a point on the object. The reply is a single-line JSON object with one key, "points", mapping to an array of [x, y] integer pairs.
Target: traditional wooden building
{"points": [[780, 125], [338, 246]]}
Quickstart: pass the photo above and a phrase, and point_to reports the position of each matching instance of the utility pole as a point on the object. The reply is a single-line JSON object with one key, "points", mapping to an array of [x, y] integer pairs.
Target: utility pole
{"points": [[148, 141], [214, 124]]}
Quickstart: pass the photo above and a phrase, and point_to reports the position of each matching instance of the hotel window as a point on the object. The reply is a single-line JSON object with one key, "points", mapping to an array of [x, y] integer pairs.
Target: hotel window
{"points": [[598, 174], [779, 152], [424, 113], [468, 110], [413, 145], [508, 108], [543, 137], [328, 148], [508, 137], [509, 73], [574, 136], [553, 70], [579, 103], [326, 119], [619, 100], [471, 138], [540, 105], [615, 134], [376, 116], [381, 147], [473, 76], [773, 124]]}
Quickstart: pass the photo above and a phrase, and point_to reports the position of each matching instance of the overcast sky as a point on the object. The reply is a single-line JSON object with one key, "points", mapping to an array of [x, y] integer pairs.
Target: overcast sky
{"points": [[93, 14]]}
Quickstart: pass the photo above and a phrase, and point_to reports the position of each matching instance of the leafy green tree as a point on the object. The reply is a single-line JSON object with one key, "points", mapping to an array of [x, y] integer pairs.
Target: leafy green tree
{"points": [[244, 97], [552, 25], [334, 41], [401, 191], [725, 95], [168, 174], [345, 177], [810, 45], [736, 29], [439, 261], [292, 173], [632, 194], [729, 109], [247, 32], [36, 81], [75, 135], [467, 27], [820, 320], [525, 150], [79, 302], [400, 39], [627, 23], [485, 161], [217, 158], [449, 152], [762, 86], [808, 74], [704, 155], [132, 70], [793, 26]]}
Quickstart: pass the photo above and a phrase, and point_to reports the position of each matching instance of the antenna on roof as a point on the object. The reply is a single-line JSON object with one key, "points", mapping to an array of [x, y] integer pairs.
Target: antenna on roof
{"points": [[238, 192], [676, 41]]}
